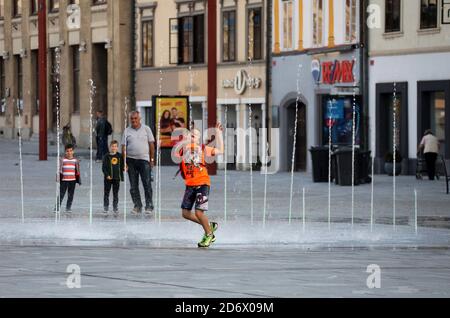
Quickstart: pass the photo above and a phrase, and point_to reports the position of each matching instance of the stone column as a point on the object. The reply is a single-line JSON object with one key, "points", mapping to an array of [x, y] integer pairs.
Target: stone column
{"points": [[9, 71], [85, 72], [120, 58], [66, 78], [28, 79], [241, 125], [220, 119]]}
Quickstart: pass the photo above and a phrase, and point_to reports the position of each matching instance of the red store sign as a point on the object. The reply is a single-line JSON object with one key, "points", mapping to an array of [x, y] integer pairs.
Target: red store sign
{"points": [[338, 72]]}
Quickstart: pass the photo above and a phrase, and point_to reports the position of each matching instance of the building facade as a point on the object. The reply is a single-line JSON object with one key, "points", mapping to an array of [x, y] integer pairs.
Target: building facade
{"points": [[409, 54], [86, 39], [171, 60], [317, 76]]}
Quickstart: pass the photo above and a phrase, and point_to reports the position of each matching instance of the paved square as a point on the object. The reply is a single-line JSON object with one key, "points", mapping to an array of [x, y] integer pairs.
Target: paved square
{"points": [[145, 259]]}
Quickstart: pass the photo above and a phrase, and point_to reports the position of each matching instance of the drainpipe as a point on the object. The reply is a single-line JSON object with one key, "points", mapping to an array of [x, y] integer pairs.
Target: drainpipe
{"points": [[42, 53], [364, 58], [268, 68], [133, 59], [212, 72]]}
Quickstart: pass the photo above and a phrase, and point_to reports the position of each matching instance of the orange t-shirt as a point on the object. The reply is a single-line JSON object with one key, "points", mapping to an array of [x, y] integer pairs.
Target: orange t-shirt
{"points": [[194, 165]]}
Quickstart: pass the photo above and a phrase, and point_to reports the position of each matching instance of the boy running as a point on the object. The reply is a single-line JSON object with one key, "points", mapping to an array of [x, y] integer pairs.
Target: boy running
{"points": [[197, 180], [112, 167], [69, 176]]}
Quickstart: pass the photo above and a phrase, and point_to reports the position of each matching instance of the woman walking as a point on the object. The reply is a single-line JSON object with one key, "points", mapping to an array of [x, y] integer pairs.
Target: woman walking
{"points": [[430, 147]]}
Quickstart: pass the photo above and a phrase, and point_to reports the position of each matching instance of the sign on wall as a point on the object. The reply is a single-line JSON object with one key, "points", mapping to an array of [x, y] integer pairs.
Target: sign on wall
{"points": [[171, 114], [333, 72], [445, 11], [241, 82]]}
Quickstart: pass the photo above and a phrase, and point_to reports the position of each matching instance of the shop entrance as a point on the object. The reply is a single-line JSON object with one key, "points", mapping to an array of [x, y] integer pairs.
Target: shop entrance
{"points": [[301, 144], [100, 74], [433, 113], [384, 124]]}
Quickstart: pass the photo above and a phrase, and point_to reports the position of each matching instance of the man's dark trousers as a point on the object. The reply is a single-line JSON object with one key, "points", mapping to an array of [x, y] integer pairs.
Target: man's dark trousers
{"points": [[102, 147], [140, 168]]}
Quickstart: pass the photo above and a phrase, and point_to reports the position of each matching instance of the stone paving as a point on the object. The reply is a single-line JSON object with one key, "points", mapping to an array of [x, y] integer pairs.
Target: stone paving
{"points": [[144, 259]]}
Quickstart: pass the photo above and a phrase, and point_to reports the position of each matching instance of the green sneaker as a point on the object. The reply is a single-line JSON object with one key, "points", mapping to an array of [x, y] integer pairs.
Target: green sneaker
{"points": [[214, 226], [207, 241]]}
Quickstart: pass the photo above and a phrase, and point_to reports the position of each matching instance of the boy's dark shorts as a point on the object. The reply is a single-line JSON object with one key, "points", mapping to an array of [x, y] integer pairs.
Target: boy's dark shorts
{"points": [[196, 195]]}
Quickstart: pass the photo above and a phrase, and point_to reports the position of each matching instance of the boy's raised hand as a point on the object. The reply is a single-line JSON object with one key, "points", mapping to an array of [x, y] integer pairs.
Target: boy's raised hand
{"points": [[219, 127]]}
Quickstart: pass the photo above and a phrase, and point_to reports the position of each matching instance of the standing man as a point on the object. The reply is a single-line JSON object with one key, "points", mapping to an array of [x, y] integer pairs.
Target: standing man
{"points": [[138, 149], [103, 129]]}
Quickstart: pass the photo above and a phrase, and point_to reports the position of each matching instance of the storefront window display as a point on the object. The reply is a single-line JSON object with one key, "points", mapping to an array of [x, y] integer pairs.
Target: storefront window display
{"points": [[337, 113]]}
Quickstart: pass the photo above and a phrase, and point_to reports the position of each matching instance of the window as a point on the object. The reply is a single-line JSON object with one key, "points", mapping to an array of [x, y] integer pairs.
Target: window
{"points": [[338, 114], [2, 87], [98, 2], [19, 83], [147, 43], [2, 8], [437, 117], [173, 51], [428, 14], [35, 65], [288, 24], [53, 6], [76, 78], [187, 40], [393, 16], [350, 21], [74, 2], [17, 8], [254, 21], [229, 36], [55, 87], [318, 22], [34, 5]]}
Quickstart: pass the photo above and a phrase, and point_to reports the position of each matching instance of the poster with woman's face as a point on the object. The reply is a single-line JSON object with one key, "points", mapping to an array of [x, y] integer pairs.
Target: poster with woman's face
{"points": [[171, 113]]}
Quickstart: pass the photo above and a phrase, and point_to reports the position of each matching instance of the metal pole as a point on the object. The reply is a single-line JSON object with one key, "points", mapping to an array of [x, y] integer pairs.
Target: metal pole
{"points": [[212, 72], [42, 56]]}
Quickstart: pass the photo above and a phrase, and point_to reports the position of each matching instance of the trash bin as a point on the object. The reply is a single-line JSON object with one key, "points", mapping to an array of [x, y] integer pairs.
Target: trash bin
{"points": [[334, 171], [364, 165], [344, 158], [320, 157]]}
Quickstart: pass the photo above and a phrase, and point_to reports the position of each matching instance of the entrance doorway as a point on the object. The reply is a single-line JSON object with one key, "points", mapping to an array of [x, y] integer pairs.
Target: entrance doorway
{"points": [[55, 90], [301, 143], [100, 74], [384, 127], [433, 113]]}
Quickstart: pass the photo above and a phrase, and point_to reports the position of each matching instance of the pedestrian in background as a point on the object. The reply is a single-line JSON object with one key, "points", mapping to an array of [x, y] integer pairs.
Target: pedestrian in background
{"points": [[102, 130], [430, 147], [68, 137]]}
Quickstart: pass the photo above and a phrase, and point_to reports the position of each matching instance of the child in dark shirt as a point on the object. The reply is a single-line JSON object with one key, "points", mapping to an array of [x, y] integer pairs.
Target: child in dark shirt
{"points": [[112, 167]]}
